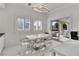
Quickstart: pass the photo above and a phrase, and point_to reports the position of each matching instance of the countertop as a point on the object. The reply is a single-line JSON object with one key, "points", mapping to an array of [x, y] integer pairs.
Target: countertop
{"points": [[1, 34], [67, 49]]}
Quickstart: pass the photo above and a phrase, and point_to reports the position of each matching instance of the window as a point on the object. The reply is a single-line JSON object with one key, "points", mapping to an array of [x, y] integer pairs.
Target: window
{"points": [[55, 25], [37, 25], [64, 26], [23, 24]]}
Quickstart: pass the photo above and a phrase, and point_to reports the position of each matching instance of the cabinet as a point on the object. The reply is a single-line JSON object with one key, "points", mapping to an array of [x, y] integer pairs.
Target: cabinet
{"points": [[2, 41]]}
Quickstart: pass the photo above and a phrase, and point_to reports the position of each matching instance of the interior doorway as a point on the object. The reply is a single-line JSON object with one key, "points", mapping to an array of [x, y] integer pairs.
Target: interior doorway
{"points": [[61, 27]]}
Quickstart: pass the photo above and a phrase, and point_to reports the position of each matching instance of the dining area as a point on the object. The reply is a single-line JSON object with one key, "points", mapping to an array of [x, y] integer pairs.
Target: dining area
{"points": [[36, 45]]}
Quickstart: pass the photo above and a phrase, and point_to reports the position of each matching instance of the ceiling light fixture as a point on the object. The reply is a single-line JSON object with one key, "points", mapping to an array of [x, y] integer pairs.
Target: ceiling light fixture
{"points": [[40, 7]]}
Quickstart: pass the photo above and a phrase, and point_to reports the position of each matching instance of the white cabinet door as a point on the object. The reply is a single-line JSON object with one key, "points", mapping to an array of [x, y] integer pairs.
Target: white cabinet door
{"points": [[2, 42]]}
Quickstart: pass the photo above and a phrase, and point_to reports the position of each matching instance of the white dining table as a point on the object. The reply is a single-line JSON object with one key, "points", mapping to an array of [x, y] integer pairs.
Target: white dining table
{"points": [[38, 36], [40, 52]]}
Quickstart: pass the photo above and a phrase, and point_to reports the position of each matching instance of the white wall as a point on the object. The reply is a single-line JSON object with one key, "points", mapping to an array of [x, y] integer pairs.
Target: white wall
{"points": [[71, 11], [8, 17]]}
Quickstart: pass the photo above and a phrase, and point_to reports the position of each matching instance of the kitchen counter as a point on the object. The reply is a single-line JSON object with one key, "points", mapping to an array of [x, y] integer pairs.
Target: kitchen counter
{"points": [[1, 34], [2, 41], [67, 49]]}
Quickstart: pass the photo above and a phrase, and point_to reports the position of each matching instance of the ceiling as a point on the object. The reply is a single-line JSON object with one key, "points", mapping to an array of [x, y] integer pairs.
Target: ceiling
{"points": [[51, 6]]}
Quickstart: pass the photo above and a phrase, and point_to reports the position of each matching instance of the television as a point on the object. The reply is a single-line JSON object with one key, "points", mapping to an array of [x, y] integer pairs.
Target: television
{"points": [[74, 35]]}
